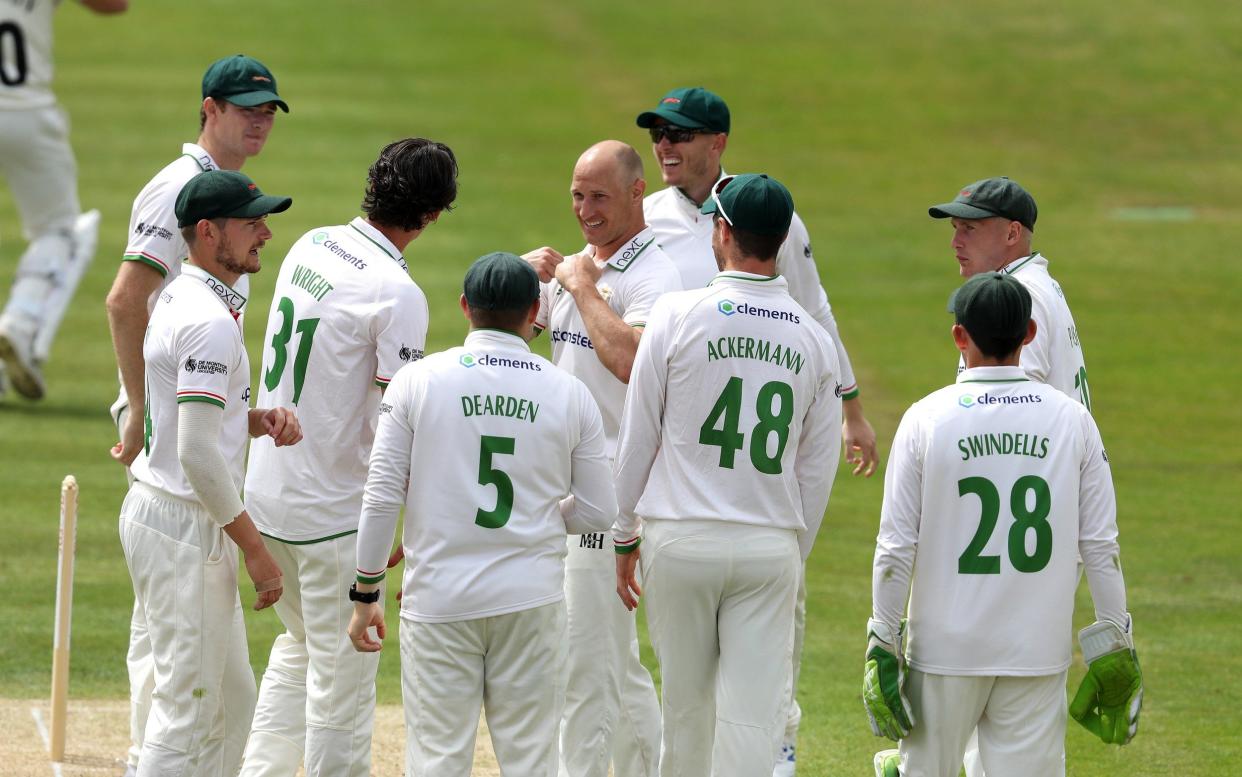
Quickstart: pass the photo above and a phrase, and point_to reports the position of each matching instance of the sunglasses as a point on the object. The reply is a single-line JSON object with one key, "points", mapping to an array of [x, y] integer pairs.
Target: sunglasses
{"points": [[674, 134], [716, 190]]}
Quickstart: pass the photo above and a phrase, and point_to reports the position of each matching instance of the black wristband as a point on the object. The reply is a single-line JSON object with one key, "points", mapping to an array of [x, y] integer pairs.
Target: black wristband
{"points": [[357, 596]]}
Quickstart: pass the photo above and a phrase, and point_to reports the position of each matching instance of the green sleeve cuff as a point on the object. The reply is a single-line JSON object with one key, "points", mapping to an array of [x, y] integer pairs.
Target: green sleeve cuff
{"points": [[369, 579], [850, 394], [628, 548]]}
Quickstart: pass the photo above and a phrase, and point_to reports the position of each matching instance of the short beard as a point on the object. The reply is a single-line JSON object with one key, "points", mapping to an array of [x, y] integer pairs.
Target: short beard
{"points": [[226, 259]]}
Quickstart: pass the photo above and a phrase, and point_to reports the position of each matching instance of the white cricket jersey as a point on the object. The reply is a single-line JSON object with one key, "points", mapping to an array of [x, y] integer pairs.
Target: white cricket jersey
{"points": [[1055, 355], [345, 317], [632, 280], [992, 484], [194, 353], [154, 238], [733, 412], [685, 234], [26, 54], [491, 437]]}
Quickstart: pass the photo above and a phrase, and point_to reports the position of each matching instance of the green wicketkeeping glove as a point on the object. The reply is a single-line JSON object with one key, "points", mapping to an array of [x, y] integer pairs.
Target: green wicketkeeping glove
{"points": [[1108, 701], [884, 674]]}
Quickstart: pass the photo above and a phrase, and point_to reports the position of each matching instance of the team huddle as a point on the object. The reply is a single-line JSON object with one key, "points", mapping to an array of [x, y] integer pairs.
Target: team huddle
{"points": [[679, 447]]}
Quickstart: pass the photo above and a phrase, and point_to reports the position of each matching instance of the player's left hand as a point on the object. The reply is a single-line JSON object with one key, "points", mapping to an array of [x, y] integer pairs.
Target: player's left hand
{"points": [[859, 443], [279, 423], [627, 579], [884, 675], [367, 615], [1108, 702]]}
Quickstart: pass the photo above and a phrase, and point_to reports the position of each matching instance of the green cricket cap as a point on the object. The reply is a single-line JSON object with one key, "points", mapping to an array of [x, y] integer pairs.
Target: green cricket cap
{"points": [[690, 107], [224, 194], [501, 281], [988, 198], [752, 203], [993, 306], [243, 81]]}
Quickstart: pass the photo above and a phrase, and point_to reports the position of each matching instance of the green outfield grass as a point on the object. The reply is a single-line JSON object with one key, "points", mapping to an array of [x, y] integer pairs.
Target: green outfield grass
{"points": [[869, 111]]}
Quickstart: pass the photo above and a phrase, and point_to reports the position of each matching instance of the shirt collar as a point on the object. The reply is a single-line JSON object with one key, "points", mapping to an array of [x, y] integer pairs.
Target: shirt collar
{"points": [[622, 258], [231, 297], [992, 375], [738, 278], [199, 155], [382, 243], [1018, 264], [496, 338]]}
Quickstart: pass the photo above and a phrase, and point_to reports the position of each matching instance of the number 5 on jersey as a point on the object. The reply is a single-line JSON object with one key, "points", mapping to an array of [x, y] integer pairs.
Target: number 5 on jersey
{"points": [[280, 344]]}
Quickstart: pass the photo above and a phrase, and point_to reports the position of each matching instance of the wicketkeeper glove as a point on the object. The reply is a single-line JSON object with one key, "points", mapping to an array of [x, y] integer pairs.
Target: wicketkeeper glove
{"points": [[1108, 701], [884, 674]]}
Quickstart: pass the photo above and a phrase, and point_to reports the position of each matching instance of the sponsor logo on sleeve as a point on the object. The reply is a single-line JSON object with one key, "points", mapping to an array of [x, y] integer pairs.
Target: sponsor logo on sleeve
{"points": [[806, 251], [153, 230], [385, 408], [204, 367], [837, 390], [407, 354]]}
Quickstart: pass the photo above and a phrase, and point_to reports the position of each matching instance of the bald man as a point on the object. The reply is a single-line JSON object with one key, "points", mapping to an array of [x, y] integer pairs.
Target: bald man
{"points": [[595, 305]]}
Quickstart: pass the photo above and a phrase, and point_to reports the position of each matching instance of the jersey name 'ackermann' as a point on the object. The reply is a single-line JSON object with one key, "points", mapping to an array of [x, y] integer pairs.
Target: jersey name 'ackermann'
{"points": [[753, 348], [573, 338], [1003, 444], [499, 404]]}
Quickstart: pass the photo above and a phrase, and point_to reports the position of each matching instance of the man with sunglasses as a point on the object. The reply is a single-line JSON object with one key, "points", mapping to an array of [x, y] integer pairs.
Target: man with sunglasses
{"points": [[726, 455], [689, 133]]}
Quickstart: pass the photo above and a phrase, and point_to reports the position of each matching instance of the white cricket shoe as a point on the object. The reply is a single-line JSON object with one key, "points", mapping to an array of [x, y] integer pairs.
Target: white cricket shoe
{"points": [[887, 763], [786, 763], [17, 354]]}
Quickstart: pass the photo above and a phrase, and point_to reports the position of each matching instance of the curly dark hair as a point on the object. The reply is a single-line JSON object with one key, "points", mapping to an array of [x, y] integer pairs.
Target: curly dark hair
{"points": [[412, 181]]}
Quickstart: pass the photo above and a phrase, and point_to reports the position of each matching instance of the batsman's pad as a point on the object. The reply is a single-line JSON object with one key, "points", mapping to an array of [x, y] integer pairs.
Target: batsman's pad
{"points": [[68, 275], [1111, 695], [887, 763], [884, 678]]}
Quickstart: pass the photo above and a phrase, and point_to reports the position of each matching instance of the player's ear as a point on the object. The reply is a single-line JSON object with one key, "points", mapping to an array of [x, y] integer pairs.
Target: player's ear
{"points": [[636, 191], [465, 307], [960, 337], [1030, 332]]}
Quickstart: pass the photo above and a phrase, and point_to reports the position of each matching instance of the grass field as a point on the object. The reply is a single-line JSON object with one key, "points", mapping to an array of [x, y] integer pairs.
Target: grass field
{"points": [[1119, 118]]}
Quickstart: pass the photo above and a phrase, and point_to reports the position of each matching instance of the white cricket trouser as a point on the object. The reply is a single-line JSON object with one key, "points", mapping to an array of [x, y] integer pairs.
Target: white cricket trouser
{"points": [[37, 162], [720, 602], [184, 571], [510, 665], [793, 718], [138, 661], [1020, 720], [611, 709], [318, 694]]}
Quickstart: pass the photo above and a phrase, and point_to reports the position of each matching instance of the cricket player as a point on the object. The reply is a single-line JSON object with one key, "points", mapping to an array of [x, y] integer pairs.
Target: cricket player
{"points": [[182, 521], [490, 439], [37, 162], [345, 316], [689, 133], [236, 115], [727, 452], [993, 222], [596, 308], [993, 485]]}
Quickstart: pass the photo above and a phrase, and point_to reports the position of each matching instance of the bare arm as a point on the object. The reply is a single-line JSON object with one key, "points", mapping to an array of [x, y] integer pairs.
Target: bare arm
{"points": [[128, 316], [615, 341], [107, 6]]}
